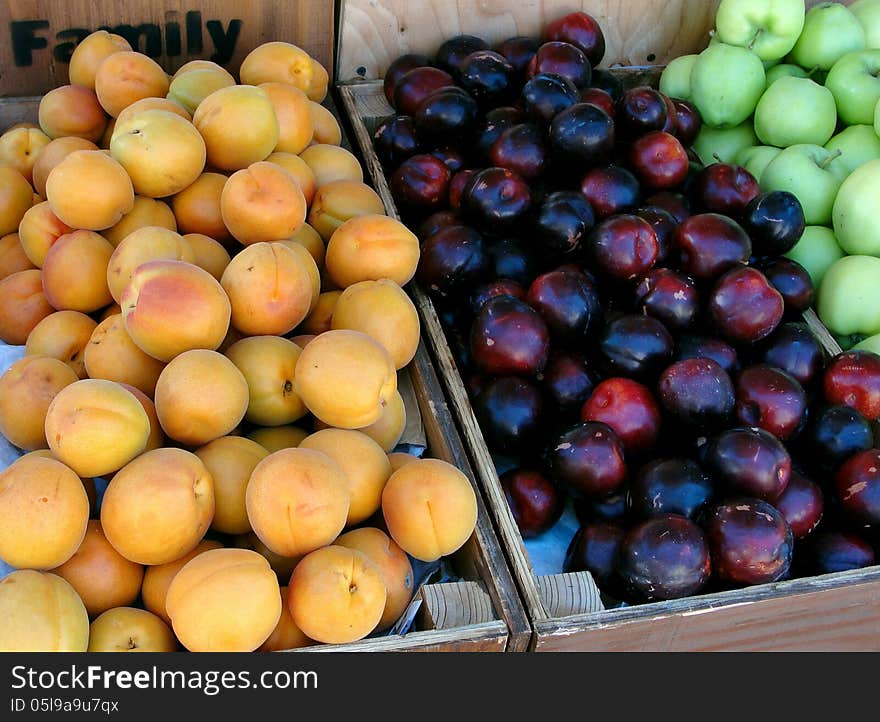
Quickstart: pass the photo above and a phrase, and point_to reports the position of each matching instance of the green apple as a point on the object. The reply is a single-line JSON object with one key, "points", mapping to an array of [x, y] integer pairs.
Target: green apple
{"points": [[795, 110], [854, 80], [726, 83], [756, 158], [784, 70], [848, 299], [816, 250], [768, 27], [872, 344], [722, 144], [868, 14], [675, 80], [812, 174], [855, 211], [830, 31], [857, 145]]}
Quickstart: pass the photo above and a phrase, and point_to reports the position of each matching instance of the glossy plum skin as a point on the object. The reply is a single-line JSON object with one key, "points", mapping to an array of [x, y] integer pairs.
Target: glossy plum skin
{"points": [[624, 247], [451, 259], [437, 221], [400, 67], [567, 380], [582, 134], [770, 399], [509, 337], [698, 392], [836, 433], [488, 77], [837, 551], [669, 296], [611, 190], [595, 548], [569, 304], [521, 149], [708, 244], [396, 139], [496, 200], [518, 51], [792, 281], [690, 346], [675, 485], [744, 307], [535, 502], [635, 346], [665, 557], [688, 121], [853, 378], [659, 160], [750, 541], [750, 462], [600, 98], [510, 259], [775, 222], [456, 185], [421, 182], [447, 112], [664, 225], [510, 410], [492, 124], [629, 408], [417, 84], [563, 59], [562, 222], [588, 460], [725, 188], [581, 30], [454, 50], [485, 292], [673, 202], [857, 485], [793, 348], [544, 95], [802, 504], [641, 110]]}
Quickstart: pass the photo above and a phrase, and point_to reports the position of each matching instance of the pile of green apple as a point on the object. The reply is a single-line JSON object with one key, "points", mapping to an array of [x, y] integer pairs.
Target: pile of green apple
{"points": [[793, 96]]}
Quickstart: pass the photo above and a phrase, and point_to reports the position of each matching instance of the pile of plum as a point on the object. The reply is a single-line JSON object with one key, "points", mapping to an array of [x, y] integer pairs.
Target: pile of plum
{"points": [[626, 325]]}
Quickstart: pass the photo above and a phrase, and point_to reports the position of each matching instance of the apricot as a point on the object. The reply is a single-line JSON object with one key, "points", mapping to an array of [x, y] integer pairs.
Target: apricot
{"points": [[38, 231], [89, 190], [383, 310], [52, 154], [197, 207], [63, 335], [127, 76], [12, 256], [400, 458], [156, 439], [239, 126], [231, 459], [200, 396], [72, 110], [430, 508], [294, 117], [149, 243], [197, 64], [162, 152], [75, 272], [281, 565], [129, 629], [389, 429], [87, 482], [104, 143], [331, 163], [109, 311], [321, 315], [277, 62], [273, 438], [303, 339], [41, 612], [111, 354], [269, 289], [16, 197], [268, 364], [286, 634], [90, 52], [262, 202], [336, 595], [191, 86], [20, 148], [27, 388], [139, 106], [101, 576], [44, 511], [317, 89], [145, 212], [224, 600], [327, 128], [297, 501], [364, 464], [172, 306], [337, 201], [96, 426], [22, 306], [345, 378], [300, 171], [209, 254], [367, 248], [157, 579], [158, 506], [393, 563]]}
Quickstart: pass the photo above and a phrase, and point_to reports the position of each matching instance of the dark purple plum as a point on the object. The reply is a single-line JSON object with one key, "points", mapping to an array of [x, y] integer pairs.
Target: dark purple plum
{"points": [[493, 123], [664, 225], [518, 51], [750, 542], [509, 337], [413, 87], [793, 348], [400, 67], [521, 149], [545, 95], [511, 412], [675, 485], [582, 134], [609, 82], [744, 307], [535, 501], [453, 157], [665, 557], [568, 303], [421, 183], [771, 399], [581, 30], [453, 51], [688, 121], [395, 140], [624, 247], [857, 485], [485, 292], [587, 459], [697, 392], [488, 77], [669, 296], [496, 200], [836, 433], [749, 462], [641, 110], [612, 508], [725, 188], [853, 378], [691, 346], [792, 281], [635, 346], [673, 202], [437, 221], [595, 548], [509, 258], [456, 185], [629, 408], [775, 222], [611, 190], [451, 260], [802, 504], [708, 244], [563, 59], [659, 160], [600, 98], [562, 222], [567, 380], [838, 551], [446, 113]]}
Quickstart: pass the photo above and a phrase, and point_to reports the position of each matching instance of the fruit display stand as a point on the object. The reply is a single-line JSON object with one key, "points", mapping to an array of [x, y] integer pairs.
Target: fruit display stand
{"points": [[476, 605], [839, 611]]}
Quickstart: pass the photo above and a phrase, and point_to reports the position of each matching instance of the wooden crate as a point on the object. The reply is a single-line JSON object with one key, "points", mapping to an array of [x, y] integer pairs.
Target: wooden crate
{"points": [[482, 611], [39, 35], [835, 611]]}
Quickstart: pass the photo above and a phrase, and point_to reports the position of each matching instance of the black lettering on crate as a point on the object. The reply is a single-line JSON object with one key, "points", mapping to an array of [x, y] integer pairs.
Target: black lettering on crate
{"points": [[151, 33], [25, 40], [224, 43], [194, 44], [172, 39], [63, 51]]}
